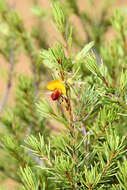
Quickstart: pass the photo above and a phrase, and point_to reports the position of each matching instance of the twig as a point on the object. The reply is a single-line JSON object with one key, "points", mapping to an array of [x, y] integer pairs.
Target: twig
{"points": [[9, 83], [109, 162], [99, 135], [70, 180], [68, 102], [90, 186], [105, 81]]}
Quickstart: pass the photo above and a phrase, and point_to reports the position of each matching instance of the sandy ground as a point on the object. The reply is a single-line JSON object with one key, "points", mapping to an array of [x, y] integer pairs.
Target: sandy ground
{"points": [[23, 7]]}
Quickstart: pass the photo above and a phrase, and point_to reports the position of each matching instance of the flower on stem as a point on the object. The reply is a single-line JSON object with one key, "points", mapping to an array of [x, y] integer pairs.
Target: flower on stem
{"points": [[58, 89]]}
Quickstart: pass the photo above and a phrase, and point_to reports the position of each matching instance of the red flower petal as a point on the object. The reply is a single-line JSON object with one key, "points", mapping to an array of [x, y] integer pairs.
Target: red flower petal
{"points": [[56, 94]]}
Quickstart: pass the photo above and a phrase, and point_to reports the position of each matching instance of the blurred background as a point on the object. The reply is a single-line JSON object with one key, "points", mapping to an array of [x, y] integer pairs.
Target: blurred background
{"points": [[29, 12]]}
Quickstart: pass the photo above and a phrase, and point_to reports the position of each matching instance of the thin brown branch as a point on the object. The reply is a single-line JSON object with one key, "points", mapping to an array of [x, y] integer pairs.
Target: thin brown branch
{"points": [[70, 180], [68, 102], [108, 163], [90, 186], [105, 81], [99, 135], [69, 109]]}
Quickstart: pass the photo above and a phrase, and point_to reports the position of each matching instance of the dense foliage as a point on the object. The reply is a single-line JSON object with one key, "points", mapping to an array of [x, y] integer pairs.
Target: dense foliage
{"points": [[88, 100]]}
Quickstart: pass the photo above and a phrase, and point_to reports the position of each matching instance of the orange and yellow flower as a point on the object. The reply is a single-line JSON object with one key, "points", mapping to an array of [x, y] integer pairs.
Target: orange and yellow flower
{"points": [[58, 89]]}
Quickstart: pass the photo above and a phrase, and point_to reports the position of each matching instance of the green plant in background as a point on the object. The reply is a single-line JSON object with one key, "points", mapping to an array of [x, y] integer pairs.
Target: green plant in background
{"points": [[88, 100]]}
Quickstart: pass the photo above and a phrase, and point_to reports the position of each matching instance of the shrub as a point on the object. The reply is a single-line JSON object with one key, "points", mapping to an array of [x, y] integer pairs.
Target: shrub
{"points": [[88, 101]]}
